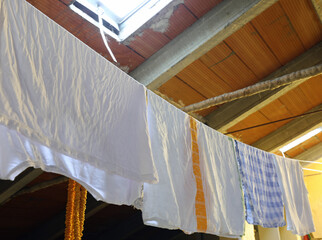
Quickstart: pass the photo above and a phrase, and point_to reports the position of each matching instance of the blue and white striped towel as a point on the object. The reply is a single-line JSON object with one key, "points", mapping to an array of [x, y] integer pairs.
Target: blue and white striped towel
{"points": [[262, 193]]}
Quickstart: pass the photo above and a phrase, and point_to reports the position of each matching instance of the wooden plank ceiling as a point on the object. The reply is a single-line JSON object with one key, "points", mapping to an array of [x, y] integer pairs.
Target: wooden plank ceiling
{"points": [[268, 42]]}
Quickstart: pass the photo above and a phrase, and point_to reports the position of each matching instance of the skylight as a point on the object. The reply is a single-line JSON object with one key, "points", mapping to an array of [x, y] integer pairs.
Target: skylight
{"points": [[120, 18], [300, 140]]}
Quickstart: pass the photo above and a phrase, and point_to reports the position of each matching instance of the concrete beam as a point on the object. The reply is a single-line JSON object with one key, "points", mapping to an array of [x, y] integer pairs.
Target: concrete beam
{"points": [[290, 131], [230, 114], [202, 36], [10, 188], [312, 154]]}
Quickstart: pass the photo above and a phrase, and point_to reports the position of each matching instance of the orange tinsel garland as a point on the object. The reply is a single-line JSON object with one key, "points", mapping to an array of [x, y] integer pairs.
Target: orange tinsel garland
{"points": [[75, 211]]}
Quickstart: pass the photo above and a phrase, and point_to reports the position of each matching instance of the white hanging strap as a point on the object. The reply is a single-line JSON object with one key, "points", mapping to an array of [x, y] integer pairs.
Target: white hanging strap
{"points": [[100, 12]]}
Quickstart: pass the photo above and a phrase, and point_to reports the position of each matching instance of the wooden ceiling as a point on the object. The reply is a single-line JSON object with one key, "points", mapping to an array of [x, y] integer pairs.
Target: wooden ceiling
{"points": [[285, 37]]}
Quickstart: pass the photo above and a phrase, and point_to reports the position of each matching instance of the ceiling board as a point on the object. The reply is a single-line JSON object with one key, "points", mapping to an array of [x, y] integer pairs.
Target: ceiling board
{"points": [[253, 51], [181, 19], [199, 76], [179, 91], [277, 31], [304, 20], [252, 135], [291, 104], [313, 89], [228, 66]]}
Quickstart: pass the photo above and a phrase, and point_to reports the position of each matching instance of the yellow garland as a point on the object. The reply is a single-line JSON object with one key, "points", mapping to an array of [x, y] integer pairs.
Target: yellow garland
{"points": [[75, 211], [82, 208], [69, 235]]}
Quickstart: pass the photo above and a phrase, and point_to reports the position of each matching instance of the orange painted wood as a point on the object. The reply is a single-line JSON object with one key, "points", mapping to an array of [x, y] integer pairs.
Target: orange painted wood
{"points": [[296, 102], [278, 32], [181, 19], [304, 20], [252, 135], [201, 7], [276, 110], [180, 92], [148, 42], [228, 66], [312, 90], [253, 51], [199, 76]]}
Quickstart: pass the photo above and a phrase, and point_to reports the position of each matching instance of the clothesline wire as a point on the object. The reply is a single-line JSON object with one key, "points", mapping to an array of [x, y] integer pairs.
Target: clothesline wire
{"points": [[276, 121], [305, 161], [314, 170]]}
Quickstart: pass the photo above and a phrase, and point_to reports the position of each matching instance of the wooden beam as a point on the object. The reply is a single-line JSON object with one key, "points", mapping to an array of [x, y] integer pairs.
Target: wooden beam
{"points": [[290, 131], [230, 114], [9, 188], [202, 36], [317, 4]]}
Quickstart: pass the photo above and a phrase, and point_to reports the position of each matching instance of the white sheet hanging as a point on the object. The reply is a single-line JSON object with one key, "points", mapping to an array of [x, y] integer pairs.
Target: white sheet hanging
{"points": [[297, 207], [181, 199], [58, 92], [222, 186], [23, 153], [170, 203]]}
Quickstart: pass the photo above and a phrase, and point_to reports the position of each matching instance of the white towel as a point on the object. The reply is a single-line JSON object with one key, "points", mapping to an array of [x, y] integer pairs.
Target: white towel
{"points": [[297, 207], [60, 93], [222, 186], [194, 194], [170, 203], [17, 153]]}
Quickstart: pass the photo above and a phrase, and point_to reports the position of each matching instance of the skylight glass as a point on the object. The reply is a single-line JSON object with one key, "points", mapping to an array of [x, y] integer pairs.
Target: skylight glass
{"points": [[120, 17], [301, 140]]}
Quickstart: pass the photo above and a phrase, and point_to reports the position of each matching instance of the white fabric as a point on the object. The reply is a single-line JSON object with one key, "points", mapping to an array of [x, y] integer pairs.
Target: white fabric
{"points": [[171, 202], [222, 186], [24, 153], [295, 196], [58, 92]]}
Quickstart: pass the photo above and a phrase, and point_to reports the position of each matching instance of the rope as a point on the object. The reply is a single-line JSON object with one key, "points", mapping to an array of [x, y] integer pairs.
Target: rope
{"points": [[255, 89]]}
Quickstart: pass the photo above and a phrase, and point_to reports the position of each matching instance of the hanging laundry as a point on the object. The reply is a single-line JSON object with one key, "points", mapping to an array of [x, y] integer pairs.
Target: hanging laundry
{"points": [[297, 207], [58, 92], [199, 188], [222, 186], [262, 192], [18, 152], [171, 202]]}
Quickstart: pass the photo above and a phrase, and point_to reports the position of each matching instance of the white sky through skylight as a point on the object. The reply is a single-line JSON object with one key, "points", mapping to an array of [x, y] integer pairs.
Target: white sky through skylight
{"points": [[301, 139], [120, 9], [125, 16]]}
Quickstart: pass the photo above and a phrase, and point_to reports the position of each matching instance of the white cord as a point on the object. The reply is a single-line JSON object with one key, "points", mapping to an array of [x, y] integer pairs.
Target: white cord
{"points": [[100, 21], [309, 169]]}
